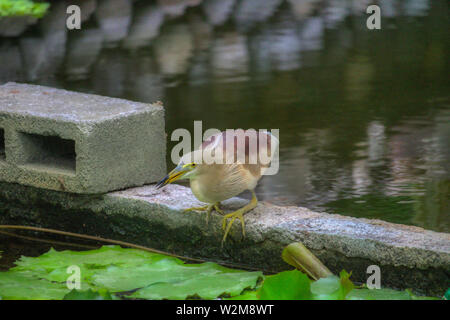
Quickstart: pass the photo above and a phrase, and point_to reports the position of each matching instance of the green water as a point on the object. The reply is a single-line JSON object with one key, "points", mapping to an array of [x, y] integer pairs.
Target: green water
{"points": [[364, 116]]}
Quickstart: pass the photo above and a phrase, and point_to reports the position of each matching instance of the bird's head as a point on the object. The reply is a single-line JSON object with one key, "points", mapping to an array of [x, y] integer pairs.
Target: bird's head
{"points": [[186, 169]]}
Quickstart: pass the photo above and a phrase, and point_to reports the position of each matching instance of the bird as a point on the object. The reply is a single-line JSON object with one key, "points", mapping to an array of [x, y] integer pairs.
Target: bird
{"points": [[223, 166]]}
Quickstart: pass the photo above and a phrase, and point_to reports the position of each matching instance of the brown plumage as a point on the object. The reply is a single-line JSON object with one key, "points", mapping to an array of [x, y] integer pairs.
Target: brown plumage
{"points": [[225, 165]]}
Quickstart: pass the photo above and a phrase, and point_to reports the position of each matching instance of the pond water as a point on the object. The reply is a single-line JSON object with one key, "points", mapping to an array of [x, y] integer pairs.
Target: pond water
{"points": [[364, 115]]}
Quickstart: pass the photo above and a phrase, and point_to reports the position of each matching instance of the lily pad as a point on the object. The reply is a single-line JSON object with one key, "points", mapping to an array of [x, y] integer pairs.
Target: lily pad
{"points": [[53, 264], [19, 286], [247, 295], [385, 294], [105, 256], [88, 295], [201, 285], [129, 271], [286, 285], [167, 279]]}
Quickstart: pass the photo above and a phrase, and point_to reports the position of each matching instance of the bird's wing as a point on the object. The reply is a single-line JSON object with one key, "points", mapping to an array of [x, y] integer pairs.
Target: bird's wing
{"points": [[250, 148]]}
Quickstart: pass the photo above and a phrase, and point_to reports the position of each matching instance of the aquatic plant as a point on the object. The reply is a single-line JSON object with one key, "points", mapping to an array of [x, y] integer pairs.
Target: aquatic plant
{"points": [[113, 272]]}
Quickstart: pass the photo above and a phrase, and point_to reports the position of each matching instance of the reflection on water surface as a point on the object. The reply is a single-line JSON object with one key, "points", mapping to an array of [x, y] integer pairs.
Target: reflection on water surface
{"points": [[363, 115]]}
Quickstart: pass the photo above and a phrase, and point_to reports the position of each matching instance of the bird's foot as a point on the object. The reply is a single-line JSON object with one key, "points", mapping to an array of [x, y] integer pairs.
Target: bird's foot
{"points": [[217, 208], [208, 208], [238, 214], [226, 225]]}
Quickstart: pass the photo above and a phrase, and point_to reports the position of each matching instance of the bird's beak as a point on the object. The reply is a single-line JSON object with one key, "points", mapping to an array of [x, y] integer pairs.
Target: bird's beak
{"points": [[173, 175]]}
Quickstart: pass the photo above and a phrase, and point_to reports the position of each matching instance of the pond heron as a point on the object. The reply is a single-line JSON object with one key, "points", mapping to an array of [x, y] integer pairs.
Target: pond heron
{"points": [[225, 165]]}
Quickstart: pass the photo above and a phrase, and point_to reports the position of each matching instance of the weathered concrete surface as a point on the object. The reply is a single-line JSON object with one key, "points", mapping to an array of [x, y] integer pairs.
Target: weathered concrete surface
{"points": [[75, 142], [409, 257]]}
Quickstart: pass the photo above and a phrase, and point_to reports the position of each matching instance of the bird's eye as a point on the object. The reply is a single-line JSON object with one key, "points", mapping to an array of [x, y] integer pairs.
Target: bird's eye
{"points": [[193, 165]]}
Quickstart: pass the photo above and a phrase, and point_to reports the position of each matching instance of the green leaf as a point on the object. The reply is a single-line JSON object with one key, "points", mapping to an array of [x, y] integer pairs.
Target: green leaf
{"points": [[286, 285], [88, 295], [97, 258], [200, 286], [332, 287], [385, 294], [326, 289], [378, 294], [150, 275], [346, 285], [167, 279], [414, 297], [247, 295], [53, 264], [19, 286]]}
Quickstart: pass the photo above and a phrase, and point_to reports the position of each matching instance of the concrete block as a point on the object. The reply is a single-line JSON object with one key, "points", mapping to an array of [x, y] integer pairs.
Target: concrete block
{"points": [[75, 142]]}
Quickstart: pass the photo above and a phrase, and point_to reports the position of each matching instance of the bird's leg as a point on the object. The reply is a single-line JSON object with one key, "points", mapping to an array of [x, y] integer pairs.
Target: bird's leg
{"points": [[217, 208], [239, 214], [208, 208]]}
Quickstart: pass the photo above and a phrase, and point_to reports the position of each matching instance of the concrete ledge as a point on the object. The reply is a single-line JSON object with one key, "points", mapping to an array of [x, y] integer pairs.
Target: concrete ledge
{"points": [[409, 257], [75, 142]]}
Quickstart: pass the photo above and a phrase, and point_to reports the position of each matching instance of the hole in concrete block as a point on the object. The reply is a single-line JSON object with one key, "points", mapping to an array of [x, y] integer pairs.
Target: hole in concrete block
{"points": [[2, 144], [49, 153]]}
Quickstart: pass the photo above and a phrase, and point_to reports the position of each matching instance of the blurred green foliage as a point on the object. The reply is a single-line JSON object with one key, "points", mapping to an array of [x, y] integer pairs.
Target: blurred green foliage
{"points": [[10, 8]]}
